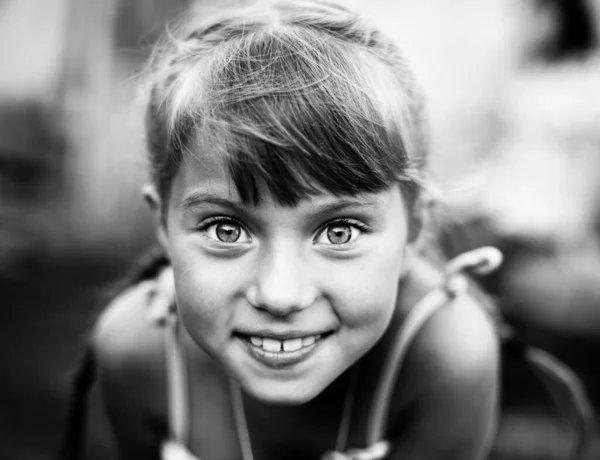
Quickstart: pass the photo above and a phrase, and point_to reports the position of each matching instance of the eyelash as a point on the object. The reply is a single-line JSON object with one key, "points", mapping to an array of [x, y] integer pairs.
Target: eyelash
{"points": [[210, 221], [361, 226]]}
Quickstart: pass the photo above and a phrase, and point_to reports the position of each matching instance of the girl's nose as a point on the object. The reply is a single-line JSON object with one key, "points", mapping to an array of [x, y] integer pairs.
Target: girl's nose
{"points": [[282, 284]]}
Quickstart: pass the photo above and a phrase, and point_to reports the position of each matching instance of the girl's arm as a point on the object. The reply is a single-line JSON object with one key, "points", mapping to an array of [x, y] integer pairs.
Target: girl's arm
{"points": [[451, 386]]}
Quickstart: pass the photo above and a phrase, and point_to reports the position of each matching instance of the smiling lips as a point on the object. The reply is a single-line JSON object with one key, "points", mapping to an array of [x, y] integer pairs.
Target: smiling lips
{"points": [[288, 345], [276, 353]]}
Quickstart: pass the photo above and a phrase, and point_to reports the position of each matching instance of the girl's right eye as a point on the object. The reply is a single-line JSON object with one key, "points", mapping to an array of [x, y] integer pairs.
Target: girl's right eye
{"points": [[225, 230]]}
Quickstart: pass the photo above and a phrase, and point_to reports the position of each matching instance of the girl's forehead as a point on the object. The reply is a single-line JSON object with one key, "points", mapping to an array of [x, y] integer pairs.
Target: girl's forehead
{"points": [[206, 182], [268, 177]]}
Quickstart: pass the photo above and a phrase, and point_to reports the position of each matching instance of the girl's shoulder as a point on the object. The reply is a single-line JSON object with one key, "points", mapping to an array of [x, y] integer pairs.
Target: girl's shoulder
{"points": [[129, 336], [462, 332], [444, 384], [125, 334], [130, 345], [129, 349], [457, 348]]}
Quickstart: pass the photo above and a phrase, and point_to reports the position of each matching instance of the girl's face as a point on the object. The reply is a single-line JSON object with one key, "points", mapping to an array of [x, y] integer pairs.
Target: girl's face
{"points": [[285, 298]]}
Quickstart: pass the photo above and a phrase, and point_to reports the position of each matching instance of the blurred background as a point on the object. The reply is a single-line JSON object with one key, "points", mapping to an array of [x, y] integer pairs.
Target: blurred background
{"points": [[514, 91]]}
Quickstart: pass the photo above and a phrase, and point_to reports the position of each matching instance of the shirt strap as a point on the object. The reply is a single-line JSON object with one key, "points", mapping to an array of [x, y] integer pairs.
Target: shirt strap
{"points": [[481, 260], [177, 381], [163, 313]]}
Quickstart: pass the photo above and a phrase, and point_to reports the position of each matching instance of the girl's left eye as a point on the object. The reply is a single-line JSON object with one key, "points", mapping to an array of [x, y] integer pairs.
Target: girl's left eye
{"points": [[226, 231], [339, 233]]}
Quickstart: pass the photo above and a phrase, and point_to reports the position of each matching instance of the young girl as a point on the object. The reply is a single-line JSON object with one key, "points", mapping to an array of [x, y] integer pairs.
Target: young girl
{"points": [[288, 150]]}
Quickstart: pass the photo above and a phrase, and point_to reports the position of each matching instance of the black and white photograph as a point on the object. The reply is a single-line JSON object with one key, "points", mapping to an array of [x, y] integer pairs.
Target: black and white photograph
{"points": [[300, 229]]}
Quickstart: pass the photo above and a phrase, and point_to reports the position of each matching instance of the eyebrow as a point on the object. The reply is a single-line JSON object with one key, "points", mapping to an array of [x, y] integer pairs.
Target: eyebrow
{"points": [[197, 199], [345, 203]]}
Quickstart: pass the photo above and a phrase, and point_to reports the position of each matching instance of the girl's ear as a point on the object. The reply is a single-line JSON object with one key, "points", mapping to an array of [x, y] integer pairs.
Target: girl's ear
{"points": [[154, 201]]}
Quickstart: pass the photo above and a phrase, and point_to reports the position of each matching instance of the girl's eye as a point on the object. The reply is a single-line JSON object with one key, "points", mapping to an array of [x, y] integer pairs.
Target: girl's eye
{"points": [[226, 231], [338, 233]]}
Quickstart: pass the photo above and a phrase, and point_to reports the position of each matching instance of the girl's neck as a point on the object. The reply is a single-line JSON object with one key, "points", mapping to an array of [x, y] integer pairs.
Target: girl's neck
{"points": [[309, 429]]}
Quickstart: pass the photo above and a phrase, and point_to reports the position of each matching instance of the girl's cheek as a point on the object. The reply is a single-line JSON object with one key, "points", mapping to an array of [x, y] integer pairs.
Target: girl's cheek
{"points": [[204, 307], [368, 295], [203, 293]]}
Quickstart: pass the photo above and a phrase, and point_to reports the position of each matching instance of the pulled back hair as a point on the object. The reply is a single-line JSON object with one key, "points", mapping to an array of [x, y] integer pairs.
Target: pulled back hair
{"points": [[295, 97]]}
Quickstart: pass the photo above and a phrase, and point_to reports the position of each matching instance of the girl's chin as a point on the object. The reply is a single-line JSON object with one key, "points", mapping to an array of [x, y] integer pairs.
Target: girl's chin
{"points": [[282, 394], [282, 378]]}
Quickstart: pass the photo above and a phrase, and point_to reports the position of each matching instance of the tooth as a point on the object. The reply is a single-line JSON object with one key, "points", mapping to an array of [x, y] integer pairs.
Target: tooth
{"points": [[292, 344], [271, 344], [256, 341], [306, 341]]}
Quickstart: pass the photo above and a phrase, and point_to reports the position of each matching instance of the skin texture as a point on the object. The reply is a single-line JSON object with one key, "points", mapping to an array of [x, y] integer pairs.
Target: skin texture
{"points": [[283, 269], [283, 275]]}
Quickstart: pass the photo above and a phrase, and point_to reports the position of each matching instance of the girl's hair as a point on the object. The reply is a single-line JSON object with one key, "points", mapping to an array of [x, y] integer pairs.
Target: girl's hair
{"points": [[295, 97]]}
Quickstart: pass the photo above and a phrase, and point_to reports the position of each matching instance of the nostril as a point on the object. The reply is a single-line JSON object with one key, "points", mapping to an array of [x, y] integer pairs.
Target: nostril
{"points": [[280, 300], [272, 296], [280, 287]]}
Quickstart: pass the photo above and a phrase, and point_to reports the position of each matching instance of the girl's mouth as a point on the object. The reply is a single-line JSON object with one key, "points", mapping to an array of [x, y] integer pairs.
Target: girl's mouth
{"points": [[281, 353], [288, 345]]}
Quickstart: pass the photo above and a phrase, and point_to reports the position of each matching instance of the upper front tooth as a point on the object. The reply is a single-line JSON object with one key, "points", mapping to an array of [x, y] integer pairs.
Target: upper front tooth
{"points": [[271, 344], [256, 341], [306, 341], [292, 344]]}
